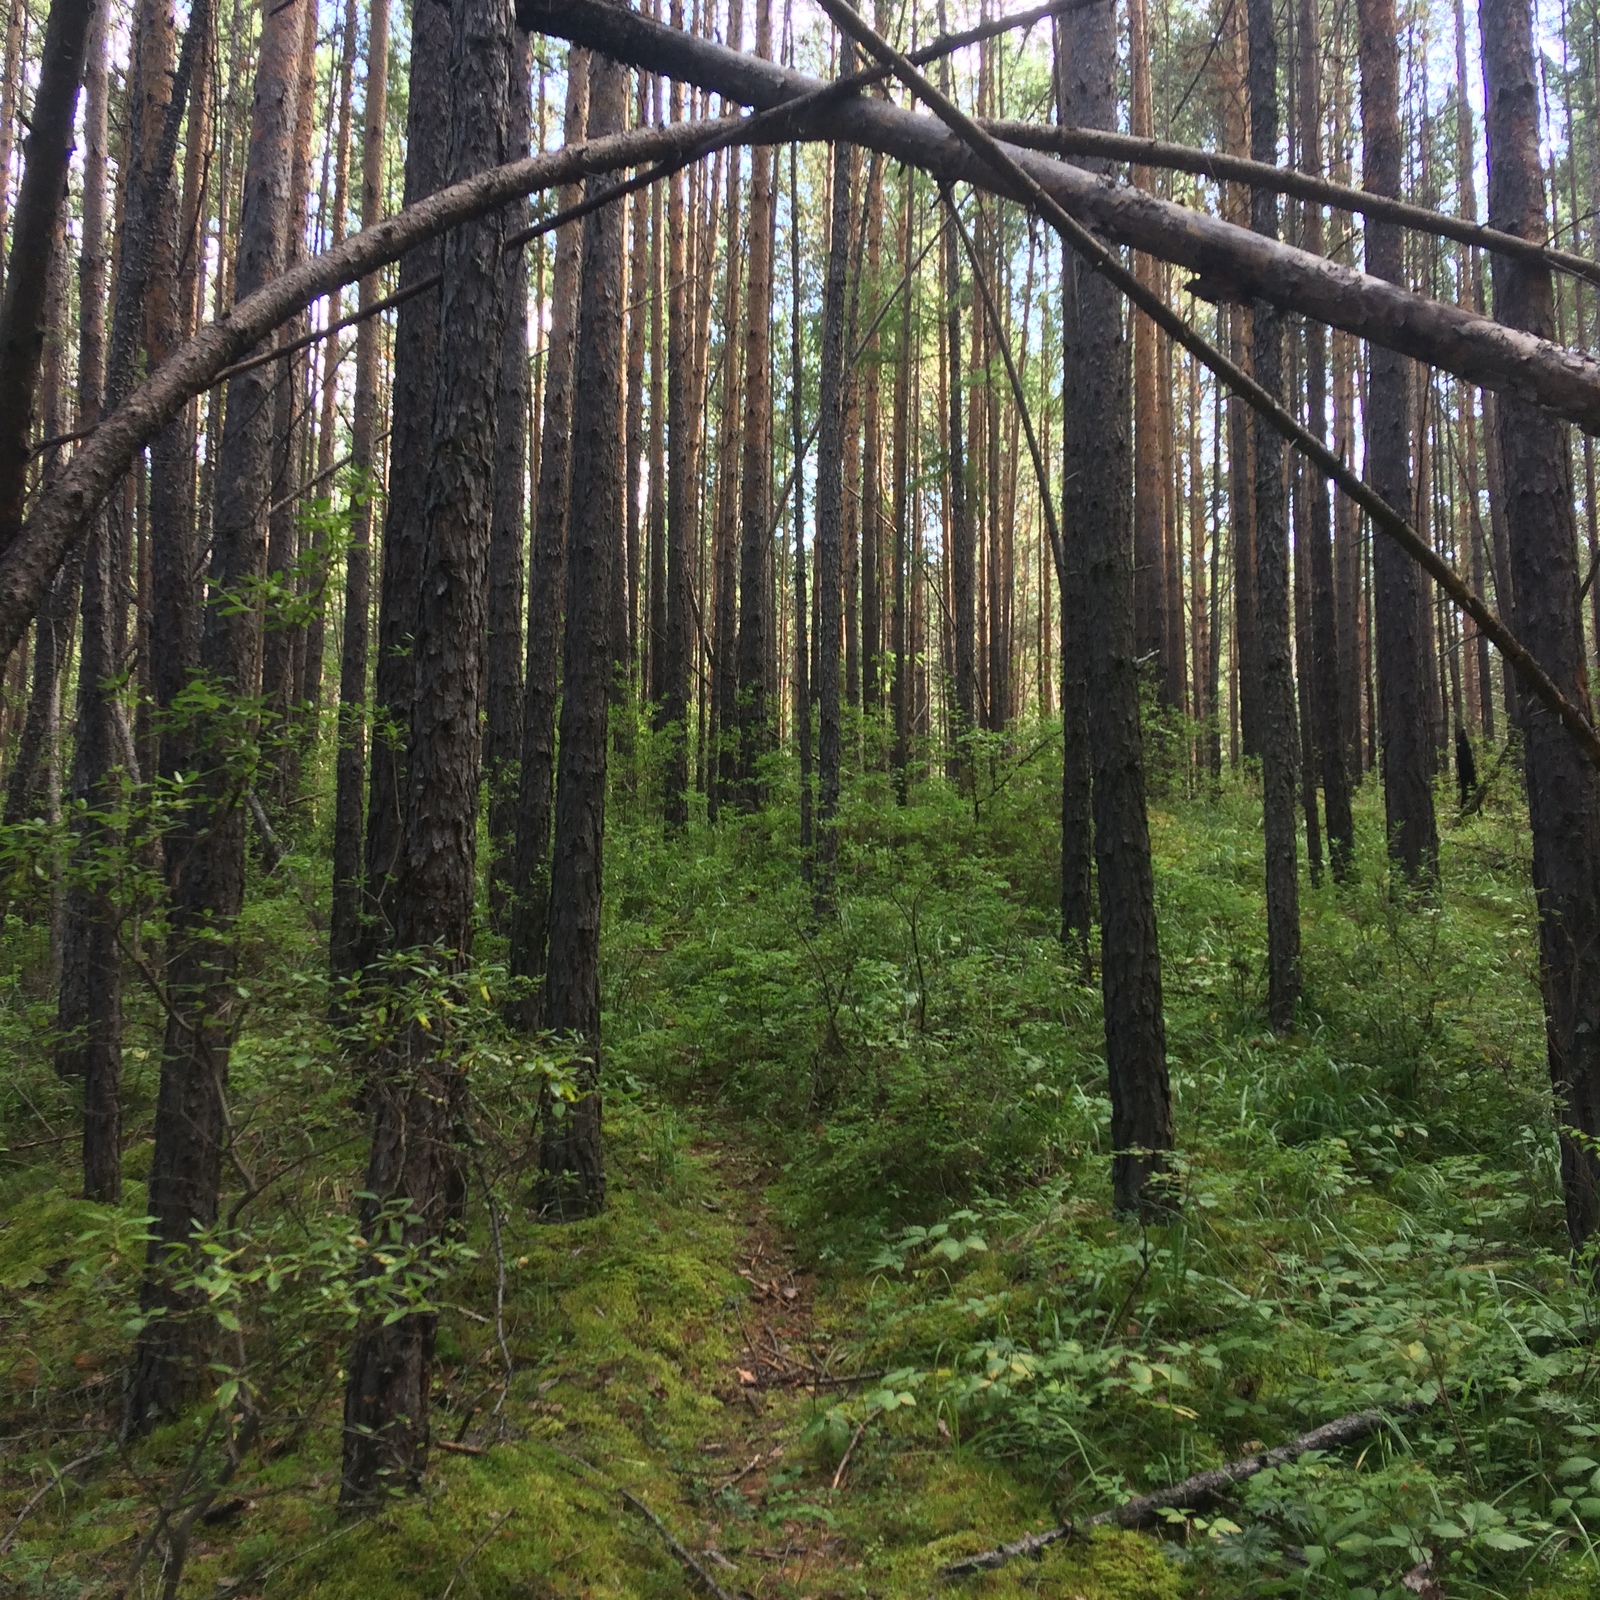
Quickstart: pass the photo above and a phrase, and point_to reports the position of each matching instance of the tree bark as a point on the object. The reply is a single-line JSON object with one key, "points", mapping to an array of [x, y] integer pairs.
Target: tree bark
{"points": [[1563, 788], [502, 730], [410, 432], [755, 478], [530, 918], [344, 936], [1097, 522], [1402, 711], [831, 380], [206, 850], [1278, 733], [418, 1087], [573, 1177], [39, 202]]}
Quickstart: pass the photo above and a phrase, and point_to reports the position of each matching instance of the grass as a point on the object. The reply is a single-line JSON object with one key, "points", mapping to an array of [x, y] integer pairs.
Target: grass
{"points": [[898, 1113]]}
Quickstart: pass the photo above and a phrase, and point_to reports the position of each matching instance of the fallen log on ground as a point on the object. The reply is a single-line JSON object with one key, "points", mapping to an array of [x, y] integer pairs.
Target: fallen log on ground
{"points": [[1193, 1494]]}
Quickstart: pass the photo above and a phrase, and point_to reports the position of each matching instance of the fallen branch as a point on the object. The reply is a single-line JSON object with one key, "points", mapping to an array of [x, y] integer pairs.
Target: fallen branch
{"points": [[690, 1564], [1563, 381], [1193, 1494]]}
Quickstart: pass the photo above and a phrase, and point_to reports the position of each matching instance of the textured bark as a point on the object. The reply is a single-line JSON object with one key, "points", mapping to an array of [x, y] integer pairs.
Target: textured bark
{"points": [[502, 729], [1563, 788], [1402, 708], [1322, 665], [530, 919], [417, 1088], [802, 675], [10, 82], [722, 757], [410, 431], [755, 478], [350, 763], [1149, 550], [900, 687], [570, 1156], [39, 202], [831, 380], [1278, 733], [963, 574], [871, 633], [206, 850], [672, 684], [1097, 524]]}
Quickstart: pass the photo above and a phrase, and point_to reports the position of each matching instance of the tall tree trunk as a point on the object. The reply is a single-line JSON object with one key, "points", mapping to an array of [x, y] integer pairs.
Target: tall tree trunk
{"points": [[344, 936], [961, 595], [410, 432], [672, 708], [206, 850], [39, 202], [802, 675], [502, 729], [1097, 519], [570, 1157], [1403, 720], [1323, 664], [900, 691], [418, 1086], [755, 478], [871, 562], [1563, 787], [530, 915], [830, 506]]}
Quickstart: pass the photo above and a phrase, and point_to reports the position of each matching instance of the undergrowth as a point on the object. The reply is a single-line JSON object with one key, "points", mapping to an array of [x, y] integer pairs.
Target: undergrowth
{"points": [[911, 1094]]}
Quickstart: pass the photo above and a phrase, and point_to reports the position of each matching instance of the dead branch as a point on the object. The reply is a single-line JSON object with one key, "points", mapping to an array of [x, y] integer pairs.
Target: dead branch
{"points": [[1193, 1494]]}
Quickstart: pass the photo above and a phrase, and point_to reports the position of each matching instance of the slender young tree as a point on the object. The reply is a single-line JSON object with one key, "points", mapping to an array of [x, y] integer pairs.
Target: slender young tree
{"points": [[755, 477], [1278, 731], [530, 915], [344, 935], [1536, 468], [573, 1177], [1403, 721], [413, 1167], [830, 506]]}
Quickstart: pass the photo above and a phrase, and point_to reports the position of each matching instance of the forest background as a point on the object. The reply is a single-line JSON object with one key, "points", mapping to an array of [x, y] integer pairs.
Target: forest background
{"points": [[1084, 922]]}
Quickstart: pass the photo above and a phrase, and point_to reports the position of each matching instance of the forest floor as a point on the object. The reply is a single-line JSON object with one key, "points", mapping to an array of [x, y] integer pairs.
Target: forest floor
{"points": [[857, 1305]]}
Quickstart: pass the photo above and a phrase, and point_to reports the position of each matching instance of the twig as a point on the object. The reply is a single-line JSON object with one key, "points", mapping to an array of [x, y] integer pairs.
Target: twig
{"points": [[712, 1587], [456, 1448], [44, 1489], [466, 1560], [1194, 1493], [850, 1449]]}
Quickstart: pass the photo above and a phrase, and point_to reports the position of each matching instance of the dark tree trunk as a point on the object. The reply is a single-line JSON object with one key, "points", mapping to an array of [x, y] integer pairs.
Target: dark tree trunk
{"points": [[1098, 520], [802, 675], [39, 203], [755, 479], [672, 709], [570, 1157], [1563, 787], [410, 434], [1404, 725], [530, 916], [1278, 733], [1079, 100], [871, 628], [963, 567], [350, 763], [206, 850], [417, 1088], [830, 506], [502, 730], [1323, 665], [900, 686]]}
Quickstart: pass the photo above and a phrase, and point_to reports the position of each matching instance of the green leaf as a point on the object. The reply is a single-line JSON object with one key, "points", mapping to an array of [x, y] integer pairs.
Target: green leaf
{"points": [[1505, 1539]]}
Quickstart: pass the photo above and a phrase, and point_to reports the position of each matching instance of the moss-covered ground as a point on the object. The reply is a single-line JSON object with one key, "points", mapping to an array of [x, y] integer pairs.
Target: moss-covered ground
{"points": [[857, 1305]]}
